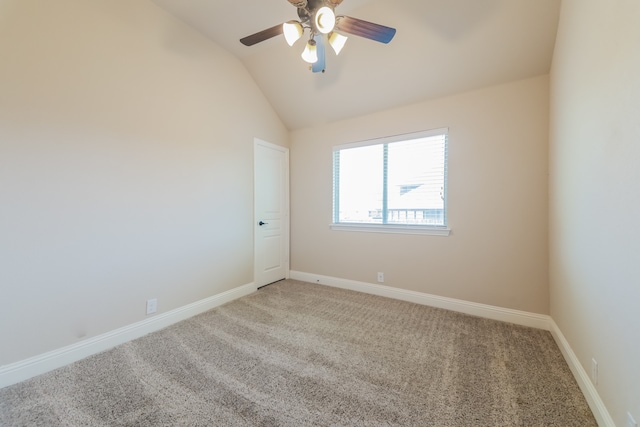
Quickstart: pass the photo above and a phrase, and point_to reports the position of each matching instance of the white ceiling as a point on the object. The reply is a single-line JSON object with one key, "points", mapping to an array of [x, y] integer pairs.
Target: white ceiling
{"points": [[441, 47]]}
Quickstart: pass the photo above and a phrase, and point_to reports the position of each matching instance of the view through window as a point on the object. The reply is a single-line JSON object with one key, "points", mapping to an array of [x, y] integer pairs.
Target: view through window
{"points": [[397, 180]]}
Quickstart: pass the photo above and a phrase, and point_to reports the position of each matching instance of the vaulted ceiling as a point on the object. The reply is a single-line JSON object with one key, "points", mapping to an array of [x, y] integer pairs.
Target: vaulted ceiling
{"points": [[441, 47]]}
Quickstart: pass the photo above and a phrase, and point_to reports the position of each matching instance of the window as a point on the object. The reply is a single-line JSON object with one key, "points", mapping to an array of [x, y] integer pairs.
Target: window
{"points": [[393, 184]]}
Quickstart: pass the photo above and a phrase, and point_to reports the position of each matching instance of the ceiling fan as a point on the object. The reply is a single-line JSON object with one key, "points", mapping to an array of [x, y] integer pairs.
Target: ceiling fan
{"points": [[318, 16]]}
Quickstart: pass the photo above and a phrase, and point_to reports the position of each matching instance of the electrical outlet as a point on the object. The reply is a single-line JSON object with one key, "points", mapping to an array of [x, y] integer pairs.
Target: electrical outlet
{"points": [[152, 305], [380, 277], [630, 421], [594, 371]]}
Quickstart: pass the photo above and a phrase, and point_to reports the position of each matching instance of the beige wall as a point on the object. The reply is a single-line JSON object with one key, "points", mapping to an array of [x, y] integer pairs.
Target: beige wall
{"points": [[595, 194], [497, 252], [126, 168]]}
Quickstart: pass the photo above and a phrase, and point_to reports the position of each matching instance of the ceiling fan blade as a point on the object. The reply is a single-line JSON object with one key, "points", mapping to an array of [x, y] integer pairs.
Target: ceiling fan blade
{"points": [[334, 3], [320, 64], [262, 35], [365, 29]]}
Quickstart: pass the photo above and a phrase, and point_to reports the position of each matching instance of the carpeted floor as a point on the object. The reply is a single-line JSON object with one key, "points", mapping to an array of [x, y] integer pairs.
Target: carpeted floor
{"points": [[298, 354]]}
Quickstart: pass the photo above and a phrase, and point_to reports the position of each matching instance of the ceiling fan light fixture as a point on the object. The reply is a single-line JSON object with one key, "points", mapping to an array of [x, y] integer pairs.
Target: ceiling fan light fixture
{"points": [[325, 20], [319, 17], [337, 41], [292, 31], [310, 53]]}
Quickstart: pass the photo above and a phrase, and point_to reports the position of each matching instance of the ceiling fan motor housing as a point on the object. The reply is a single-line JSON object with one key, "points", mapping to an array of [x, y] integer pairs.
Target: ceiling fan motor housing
{"points": [[303, 3], [299, 3]]}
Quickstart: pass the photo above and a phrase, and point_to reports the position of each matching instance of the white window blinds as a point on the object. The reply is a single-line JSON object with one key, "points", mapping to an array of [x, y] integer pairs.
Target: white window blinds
{"points": [[398, 180]]}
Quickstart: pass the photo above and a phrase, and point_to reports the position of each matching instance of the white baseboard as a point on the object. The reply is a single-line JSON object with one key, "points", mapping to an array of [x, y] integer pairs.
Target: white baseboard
{"points": [[533, 320], [523, 318], [596, 404], [28, 368], [25, 369]]}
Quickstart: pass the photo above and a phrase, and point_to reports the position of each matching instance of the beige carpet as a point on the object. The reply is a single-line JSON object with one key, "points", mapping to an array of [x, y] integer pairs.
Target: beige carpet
{"points": [[297, 354]]}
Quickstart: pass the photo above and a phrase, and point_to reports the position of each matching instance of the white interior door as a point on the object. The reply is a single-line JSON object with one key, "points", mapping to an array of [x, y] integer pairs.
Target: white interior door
{"points": [[271, 208]]}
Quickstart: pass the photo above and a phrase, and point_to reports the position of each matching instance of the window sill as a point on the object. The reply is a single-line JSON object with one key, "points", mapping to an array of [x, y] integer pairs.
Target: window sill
{"points": [[393, 229]]}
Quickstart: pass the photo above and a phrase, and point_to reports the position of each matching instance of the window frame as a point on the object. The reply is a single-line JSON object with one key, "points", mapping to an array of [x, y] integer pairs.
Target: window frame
{"points": [[426, 229]]}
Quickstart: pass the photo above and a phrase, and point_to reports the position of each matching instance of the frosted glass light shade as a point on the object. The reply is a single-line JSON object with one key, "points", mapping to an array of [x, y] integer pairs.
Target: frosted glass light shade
{"points": [[325, 20], [337, 42], [310, 53], [292, 31]]}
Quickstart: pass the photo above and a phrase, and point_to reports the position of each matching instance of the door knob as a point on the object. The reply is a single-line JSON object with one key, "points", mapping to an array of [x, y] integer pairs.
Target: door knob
{"points": [[263, 223]]}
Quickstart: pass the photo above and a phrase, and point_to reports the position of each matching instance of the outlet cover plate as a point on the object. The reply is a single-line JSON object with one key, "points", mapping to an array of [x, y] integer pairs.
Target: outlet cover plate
{"points": [[152, 305]]}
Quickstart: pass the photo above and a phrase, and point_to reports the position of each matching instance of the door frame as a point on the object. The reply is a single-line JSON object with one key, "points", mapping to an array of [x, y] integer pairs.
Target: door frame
{"points": [[286, 214]]}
